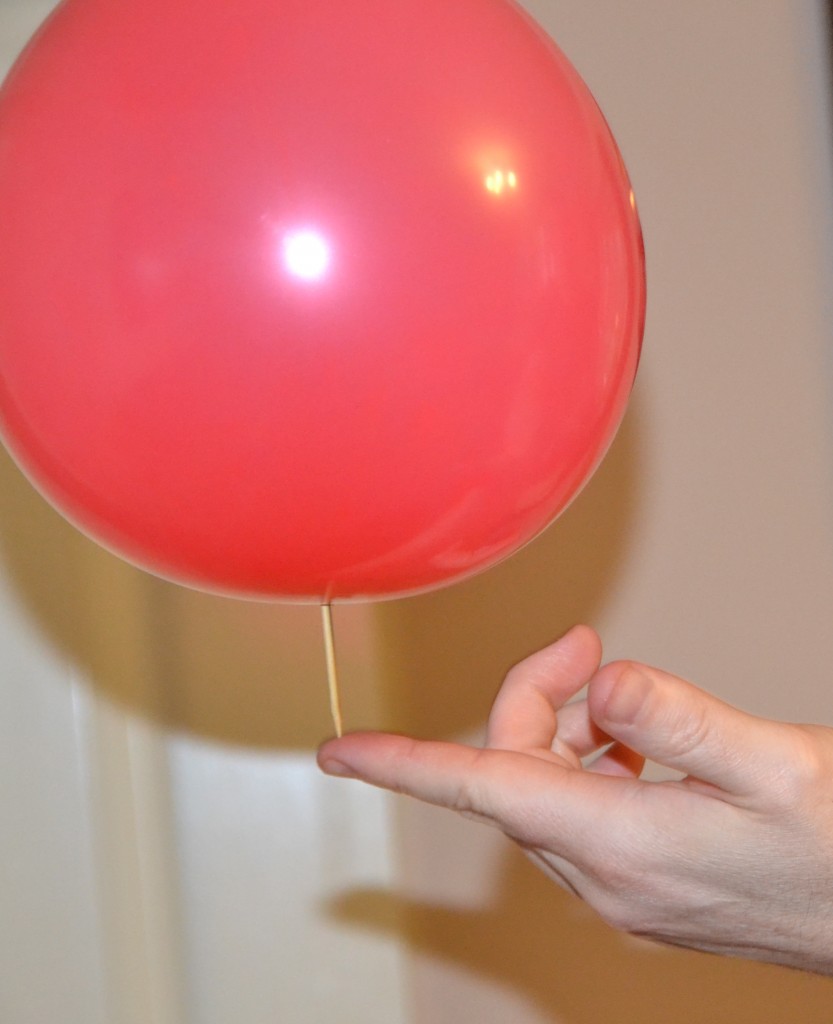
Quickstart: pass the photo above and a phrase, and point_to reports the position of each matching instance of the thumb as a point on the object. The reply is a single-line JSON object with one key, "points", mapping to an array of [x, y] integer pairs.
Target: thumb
{"points": [[680, 726]]}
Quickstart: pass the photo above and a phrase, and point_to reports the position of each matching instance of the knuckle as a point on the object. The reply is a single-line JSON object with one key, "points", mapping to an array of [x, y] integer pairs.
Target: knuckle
{"points": [[517, 674], [801, 772], [471, 796], [465, 799], [691, 729]]}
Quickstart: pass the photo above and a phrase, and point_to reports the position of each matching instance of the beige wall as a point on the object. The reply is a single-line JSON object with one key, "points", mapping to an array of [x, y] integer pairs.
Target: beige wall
{"points": [[705, 543]]}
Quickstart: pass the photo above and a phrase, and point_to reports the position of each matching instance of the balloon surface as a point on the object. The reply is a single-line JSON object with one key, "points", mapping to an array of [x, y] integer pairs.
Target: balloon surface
{"points": [[306, 298]]}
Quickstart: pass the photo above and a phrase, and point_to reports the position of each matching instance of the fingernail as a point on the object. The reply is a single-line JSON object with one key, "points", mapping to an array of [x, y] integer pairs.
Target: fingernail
{"points": [[332, 767], [628, 696]]}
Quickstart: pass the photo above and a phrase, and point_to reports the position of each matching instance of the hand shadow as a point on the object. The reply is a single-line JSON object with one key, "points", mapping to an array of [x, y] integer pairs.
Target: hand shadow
{"points": [[551, 952]]}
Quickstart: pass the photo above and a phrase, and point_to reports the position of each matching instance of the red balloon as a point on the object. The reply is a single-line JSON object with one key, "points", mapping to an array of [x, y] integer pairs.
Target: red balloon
{"points": [[310, 299]]}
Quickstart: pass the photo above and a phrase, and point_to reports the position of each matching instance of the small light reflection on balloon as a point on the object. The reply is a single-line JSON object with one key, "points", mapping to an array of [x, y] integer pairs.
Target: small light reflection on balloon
{"points": [[499, 181], [306, 254]]}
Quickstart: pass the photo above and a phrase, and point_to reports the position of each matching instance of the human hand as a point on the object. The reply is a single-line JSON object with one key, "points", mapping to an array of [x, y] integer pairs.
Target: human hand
{"points": [[735, 857]]}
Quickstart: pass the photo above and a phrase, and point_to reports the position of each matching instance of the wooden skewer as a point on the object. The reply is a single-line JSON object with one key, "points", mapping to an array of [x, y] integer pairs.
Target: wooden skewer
{"points": [[332, 672]]}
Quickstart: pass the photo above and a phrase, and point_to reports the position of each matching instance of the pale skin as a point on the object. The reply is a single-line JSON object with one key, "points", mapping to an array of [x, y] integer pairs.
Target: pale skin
{"points": [[734, 857]]}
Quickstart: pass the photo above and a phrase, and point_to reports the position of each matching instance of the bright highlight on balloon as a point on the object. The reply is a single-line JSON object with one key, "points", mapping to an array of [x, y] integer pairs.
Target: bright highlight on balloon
{"points": [[306, 255], [498, 181]]}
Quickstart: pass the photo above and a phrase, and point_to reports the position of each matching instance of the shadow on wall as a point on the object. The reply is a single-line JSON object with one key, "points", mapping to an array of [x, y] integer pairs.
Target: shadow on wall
{"points": [[241, 672], [445, 653], [556, 956], [253, 673]]}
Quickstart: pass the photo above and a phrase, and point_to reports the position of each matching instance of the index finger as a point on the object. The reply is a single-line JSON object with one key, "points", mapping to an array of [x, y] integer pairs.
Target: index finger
{"points": [[532, 800]]}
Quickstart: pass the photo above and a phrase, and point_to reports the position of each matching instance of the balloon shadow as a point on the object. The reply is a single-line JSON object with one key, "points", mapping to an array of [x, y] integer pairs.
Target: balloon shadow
{"points": [[240, 672], [550, 951], [444, 653], [253, 673]]}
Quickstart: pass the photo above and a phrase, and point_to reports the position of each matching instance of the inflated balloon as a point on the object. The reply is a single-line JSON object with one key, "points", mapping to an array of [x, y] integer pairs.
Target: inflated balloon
{"points": [[310, 299]]}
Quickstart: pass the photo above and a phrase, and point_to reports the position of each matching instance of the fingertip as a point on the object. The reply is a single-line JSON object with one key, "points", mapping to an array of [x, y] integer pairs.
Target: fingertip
{"points": [[338, 769], [618, 692], [328, 759], [586, 637], [339, 754], [379, 758]]}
